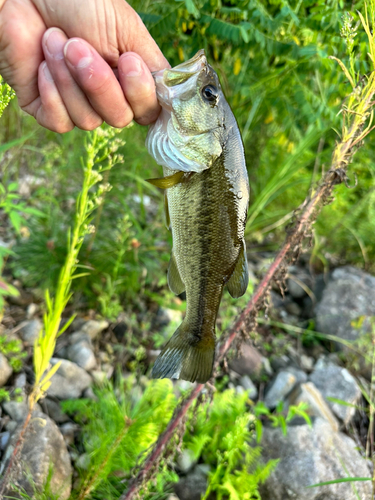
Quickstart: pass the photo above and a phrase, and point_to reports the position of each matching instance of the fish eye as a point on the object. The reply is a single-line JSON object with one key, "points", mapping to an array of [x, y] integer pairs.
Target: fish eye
{"points": [[209, 93]]}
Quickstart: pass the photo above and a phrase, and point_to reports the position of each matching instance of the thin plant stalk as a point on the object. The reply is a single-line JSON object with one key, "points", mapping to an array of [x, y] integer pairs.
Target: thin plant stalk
{"points": [[99, 141]]}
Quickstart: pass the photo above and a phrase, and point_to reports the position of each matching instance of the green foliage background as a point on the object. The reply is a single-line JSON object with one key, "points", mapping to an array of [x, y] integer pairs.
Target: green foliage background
{"points": [[272, 58]]}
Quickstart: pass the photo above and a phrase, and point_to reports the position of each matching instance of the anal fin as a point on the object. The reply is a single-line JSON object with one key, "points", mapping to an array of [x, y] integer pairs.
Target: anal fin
{"points": [[239, 280], [174, 278]]}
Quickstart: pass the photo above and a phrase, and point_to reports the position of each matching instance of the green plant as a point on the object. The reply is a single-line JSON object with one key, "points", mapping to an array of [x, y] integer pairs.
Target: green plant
{"points": [[13, 350], [221, 436], [117, 429]]}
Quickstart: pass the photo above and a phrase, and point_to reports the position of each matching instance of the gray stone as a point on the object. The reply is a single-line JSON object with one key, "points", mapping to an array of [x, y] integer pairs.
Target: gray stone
{"points": [[10, 426], [279, 362], [266, 366], [279, 388], [69, 381], [20, 381], [30, 330], [307, 363], [31, 310], [83, 461], [165, 316], [192, 486], [53, 409], [299, 374], [82, 354], [43, 448], [349, 295], [249, 386], [78, 336], [186, 460], [94, 327], [5, 370], [309, 456], [4, 440], [249, 361], [18, 411], [317, 406], [299, 282], [68, 431], [336, 382], [99, 376]]}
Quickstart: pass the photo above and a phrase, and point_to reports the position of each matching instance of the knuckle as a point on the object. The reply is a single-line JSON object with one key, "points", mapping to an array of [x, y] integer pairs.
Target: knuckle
{"points": [[90, 122], [120, 120]]}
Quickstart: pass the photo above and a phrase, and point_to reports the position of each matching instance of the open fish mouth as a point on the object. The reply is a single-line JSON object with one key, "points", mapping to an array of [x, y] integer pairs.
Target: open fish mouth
{"points": [[171, 83]]}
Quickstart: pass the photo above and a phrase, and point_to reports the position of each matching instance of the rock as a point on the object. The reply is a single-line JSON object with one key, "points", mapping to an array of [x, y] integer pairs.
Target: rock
{"points": [[99, 376], [266, 366], [307, 363], [249, 361], [192, 486], [94, 327], [31, 310], [279, 388], [186, 460], [348, 296], [165, 316], [20, 381], [53, 410], [298, 282], [4, 440], [299, 374], [69, 381], [83, 461], [11, 426], [249, 386], [309, 456], [5, 370], [30, 330], [279, 362], [308, 393], [336, 382], [89, 394], [18, 411], [82, 354], [43, 448], [68, 431]]}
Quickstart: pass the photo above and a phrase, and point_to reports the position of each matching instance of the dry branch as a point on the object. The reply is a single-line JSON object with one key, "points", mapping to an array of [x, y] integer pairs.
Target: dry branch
{"points": [[360, 103]]}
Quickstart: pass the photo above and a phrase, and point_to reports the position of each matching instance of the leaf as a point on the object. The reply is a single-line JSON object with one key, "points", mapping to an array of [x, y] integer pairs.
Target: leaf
{"points": [[192, 9], [342, 480], [345, 70]]}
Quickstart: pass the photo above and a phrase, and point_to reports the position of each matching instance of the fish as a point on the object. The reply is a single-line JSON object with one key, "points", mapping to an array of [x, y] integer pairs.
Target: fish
{"points": [[197, 141]]}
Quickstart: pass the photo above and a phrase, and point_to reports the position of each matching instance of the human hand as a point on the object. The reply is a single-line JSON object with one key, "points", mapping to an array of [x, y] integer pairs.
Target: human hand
{"points": [[61, 56]]}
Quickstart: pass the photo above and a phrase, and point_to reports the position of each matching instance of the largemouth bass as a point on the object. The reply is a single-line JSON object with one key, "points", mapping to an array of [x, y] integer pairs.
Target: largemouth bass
{"points": [[197, 141]]}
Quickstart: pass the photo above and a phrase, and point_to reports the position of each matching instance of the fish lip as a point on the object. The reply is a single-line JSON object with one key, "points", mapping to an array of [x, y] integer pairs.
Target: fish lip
{"points": [[164, 78]]}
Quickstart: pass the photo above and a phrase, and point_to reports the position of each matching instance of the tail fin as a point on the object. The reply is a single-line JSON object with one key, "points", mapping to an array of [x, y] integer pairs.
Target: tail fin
{"points": [[186, 357]]}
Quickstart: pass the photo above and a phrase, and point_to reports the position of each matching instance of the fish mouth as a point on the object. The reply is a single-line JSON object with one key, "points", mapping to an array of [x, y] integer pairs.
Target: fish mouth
{"points": [[172, 82]]}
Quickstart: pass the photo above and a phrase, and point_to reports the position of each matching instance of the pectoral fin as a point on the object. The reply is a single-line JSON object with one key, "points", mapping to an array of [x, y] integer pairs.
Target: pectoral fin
{"points": [[167, 182], [174, 278], [239, 280]]}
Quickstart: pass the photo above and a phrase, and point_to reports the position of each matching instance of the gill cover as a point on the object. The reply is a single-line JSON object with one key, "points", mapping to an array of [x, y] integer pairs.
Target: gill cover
{"points": [[186, 136]]}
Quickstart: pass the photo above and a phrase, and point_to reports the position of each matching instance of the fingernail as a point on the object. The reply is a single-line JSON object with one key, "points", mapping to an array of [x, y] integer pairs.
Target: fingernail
{"points": [[78, 54], [54, 42], [47, 72], [133, 66]]}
